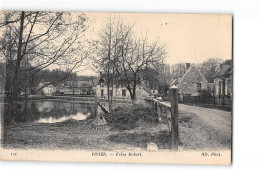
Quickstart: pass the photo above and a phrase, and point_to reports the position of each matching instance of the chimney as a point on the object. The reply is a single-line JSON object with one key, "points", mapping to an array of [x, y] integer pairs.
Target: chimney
{"points": [[187, 66]]}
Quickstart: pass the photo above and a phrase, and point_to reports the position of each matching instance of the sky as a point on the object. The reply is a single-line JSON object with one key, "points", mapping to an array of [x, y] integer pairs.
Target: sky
{"points": [[189, 38]]}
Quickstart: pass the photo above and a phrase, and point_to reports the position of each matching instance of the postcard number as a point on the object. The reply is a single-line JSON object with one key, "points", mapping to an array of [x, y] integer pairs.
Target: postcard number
{"points": [[13, 154]]}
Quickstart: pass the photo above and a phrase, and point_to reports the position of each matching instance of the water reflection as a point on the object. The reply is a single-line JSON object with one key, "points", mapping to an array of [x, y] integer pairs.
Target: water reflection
{"points": [[78, 116], [50, 111], [45, 106]]}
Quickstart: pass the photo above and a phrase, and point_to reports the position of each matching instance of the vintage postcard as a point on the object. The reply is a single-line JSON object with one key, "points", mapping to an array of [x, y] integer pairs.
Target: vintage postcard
{"points": [[116, 87]]}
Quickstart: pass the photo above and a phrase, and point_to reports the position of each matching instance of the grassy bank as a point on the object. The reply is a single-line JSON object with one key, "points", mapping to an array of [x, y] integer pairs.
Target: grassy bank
{"points": [[128, 128]]}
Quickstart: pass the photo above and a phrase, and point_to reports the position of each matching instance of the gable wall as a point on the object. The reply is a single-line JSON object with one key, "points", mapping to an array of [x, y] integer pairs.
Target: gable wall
{"points": [[187, 84]]}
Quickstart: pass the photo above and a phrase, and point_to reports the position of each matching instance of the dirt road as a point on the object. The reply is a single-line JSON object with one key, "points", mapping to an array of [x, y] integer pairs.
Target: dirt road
{"points": [[211, 128], [217, 119]]}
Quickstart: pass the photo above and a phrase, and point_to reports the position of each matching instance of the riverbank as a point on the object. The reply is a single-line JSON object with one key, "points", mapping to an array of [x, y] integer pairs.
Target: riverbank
{"points": [[128, 128], [70, 134]]}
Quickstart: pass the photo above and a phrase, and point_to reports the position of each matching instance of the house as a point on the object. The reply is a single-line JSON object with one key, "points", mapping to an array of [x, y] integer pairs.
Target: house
{"points": [[76, 87], [72, 90], [191, 82], [59, 88], [79, 87], [118, 91], [223, 83], [46, 88]]}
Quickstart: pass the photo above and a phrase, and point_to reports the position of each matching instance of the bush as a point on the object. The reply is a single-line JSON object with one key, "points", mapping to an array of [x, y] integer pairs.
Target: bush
{"points": [[126, 118]]}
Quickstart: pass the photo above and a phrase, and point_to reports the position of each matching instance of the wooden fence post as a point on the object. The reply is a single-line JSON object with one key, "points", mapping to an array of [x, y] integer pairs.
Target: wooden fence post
{"points": [[96, 107], [174, 91], [159, 110]]}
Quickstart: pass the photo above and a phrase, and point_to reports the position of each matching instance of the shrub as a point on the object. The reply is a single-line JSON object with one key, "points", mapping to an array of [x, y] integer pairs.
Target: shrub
{"points": [[126, 118]]}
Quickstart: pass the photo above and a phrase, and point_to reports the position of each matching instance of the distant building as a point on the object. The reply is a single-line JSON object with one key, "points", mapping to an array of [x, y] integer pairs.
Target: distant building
{"points": [[46, 88], [73, 90], [191, 83], [118, 90], [79, 87]]}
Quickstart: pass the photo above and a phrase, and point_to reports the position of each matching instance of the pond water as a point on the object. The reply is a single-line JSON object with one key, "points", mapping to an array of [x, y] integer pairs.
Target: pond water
{"points": [[52, 111]]}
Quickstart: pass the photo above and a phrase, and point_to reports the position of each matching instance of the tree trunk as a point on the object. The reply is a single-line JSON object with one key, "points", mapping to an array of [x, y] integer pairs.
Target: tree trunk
{"points": [[108, 90], [108, 67], [18, 61], [111, 99], [134, 87], [130, 91], [134, 92], [16, 79]]}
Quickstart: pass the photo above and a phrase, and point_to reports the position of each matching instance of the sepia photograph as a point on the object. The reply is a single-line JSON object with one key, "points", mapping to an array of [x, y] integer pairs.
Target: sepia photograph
{"points": [[116, 87]]}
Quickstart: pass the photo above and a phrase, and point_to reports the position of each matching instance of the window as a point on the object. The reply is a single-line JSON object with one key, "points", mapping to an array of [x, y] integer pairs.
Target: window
{"points": [[198, 87], [220, 87], [123, 93], [228, 87], [102, 93]]}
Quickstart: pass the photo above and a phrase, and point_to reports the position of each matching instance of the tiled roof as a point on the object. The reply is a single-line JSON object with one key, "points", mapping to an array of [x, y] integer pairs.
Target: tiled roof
{"points": [[224, 70]]}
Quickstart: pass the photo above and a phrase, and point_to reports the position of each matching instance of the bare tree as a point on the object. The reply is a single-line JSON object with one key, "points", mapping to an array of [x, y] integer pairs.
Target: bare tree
{"points": [[42, 40], [111, 38], [141, 56], [126, 58], [165, 78]]}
